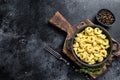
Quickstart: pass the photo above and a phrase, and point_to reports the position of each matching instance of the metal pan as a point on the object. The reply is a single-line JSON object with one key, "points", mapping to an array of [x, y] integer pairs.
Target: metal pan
{"points": [[69, 44]]}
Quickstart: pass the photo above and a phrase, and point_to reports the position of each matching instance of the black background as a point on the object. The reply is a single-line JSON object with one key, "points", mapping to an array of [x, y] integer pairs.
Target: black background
{"points": [[24, 27]]}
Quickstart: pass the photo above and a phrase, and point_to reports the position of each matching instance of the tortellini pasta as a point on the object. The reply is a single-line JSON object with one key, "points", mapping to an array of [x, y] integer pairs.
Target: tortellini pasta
{"points": [[91, 45]]}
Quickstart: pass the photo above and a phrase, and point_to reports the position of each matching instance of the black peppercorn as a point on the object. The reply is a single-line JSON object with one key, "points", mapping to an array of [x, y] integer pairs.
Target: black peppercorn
{"points": [[105, 17]]}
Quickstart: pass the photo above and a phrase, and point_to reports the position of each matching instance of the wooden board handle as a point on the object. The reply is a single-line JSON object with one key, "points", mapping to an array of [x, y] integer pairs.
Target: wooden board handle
{"points": [[59, 21]]}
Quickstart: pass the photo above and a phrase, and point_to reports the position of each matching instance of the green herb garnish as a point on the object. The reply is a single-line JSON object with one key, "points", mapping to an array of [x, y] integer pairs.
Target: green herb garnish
{"points": [[86, 70]]}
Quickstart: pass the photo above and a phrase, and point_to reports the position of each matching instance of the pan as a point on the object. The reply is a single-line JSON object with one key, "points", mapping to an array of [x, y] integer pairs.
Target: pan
{"points": [[110, 50]]}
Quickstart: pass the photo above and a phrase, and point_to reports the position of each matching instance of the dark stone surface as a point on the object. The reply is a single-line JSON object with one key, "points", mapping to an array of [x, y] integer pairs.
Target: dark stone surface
{"points": [[24, 26]]}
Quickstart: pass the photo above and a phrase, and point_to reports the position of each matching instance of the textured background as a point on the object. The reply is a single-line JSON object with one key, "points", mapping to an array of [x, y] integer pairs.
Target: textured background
{"points": [[24, 26]]}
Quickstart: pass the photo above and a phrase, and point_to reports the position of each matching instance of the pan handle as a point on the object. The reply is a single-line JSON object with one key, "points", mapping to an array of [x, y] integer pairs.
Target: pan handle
{"points": [[116, 46], [68, 44]]}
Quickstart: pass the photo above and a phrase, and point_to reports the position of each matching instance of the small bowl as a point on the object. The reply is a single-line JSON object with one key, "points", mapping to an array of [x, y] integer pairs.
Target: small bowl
{"points": [[105, 17]]}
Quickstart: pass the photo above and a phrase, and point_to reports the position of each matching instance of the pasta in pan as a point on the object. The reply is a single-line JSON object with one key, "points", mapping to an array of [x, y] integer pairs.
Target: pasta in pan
{"points": [[91, 45]]}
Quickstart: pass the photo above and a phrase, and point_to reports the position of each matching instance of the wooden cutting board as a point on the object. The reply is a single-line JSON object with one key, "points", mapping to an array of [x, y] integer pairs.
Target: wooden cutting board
{"points": [[59, 21]]}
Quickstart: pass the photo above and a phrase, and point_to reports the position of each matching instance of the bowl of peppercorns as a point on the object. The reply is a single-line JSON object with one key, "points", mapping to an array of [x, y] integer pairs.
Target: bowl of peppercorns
{"points": [[105, 17]]}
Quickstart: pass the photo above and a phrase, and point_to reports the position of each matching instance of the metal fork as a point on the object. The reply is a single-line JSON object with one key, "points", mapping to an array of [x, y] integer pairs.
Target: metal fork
{"points": [[56, 54]]}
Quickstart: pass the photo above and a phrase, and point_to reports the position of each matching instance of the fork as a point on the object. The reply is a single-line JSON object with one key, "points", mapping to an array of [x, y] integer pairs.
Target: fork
{"points": [[56, 54]]}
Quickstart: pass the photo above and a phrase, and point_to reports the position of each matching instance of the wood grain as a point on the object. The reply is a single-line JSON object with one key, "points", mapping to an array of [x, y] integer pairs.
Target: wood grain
{"points": [[59, 21]]}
